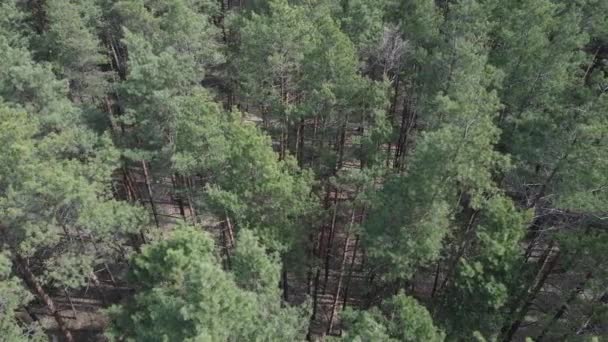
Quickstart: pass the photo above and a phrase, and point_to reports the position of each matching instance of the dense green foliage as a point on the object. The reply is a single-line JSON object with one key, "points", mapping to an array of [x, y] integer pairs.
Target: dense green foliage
{"points": [[184, 295], [277, 170]]}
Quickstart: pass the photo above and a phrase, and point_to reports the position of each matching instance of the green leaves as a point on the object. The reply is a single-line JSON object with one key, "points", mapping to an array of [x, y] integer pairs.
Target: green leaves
{"points": [[185, 295], [269, 196], [255, 270], [72, 45], [456, 156], [55, 188], [489, 273], [400, 318], [12, 297]]}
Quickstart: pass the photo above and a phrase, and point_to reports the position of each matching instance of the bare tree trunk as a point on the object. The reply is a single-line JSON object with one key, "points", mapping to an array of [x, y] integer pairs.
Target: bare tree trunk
{"points": [[391, 117], [581, 330], [92, 275], [350, 272], [330, 239], [341, 146], [149, 189], [97, 284], [535, 235], [190, 185], [341, 274], [520, 313], [311, 249], [32, 282], [408, 117], [436, 281], [130, 190], [230, 230], [315, 300], [371, 290], [178, 196], [300, 143], [468, 235], [332, 313], [285, 284], [226, 249], [562, 310], [314, 139], [67, 296]]}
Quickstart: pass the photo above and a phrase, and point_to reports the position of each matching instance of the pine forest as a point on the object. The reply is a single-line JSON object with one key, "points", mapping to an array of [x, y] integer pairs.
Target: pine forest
{"points": [[304, 170]]}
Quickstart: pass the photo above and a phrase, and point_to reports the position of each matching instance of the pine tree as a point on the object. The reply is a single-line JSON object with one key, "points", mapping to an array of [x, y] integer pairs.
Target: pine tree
{"points": [[400, 318], [72, 46], [488, 274], [258, 191], [13, 297], [185, 295], [453, 161]]}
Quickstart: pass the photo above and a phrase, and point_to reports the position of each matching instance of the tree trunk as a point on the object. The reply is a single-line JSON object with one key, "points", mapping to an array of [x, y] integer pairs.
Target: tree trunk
{"points": [[229, 229], [34, 285], [391, 117], [436, 280], [315, 299], [350, 272], [520, 313], [179, 198], [330, 239], [149, 190], [341, 144], [407, 121], [562, 310], [190, 185], [285, 284], [332, 313], [300, 143], [453, 265], [226, 249]]}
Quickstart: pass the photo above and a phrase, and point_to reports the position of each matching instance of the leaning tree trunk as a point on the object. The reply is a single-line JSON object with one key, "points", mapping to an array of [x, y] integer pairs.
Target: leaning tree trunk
{"points": [[334, 305], [528, 298], [564, 308], [36, 287]]}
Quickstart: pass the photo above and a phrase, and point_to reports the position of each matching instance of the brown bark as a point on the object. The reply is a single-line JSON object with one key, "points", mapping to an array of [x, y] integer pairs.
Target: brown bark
{"points": [[36, 287], [190, 185], [350, 272], [332, 313], [149, 190], [330, 239], [226, 249], [311, 249], [391, 117], [341, 273], [229, 229], [436, 280], [178, 197], [129, 191], [315, 299], [549, 263], [408, 118]]}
